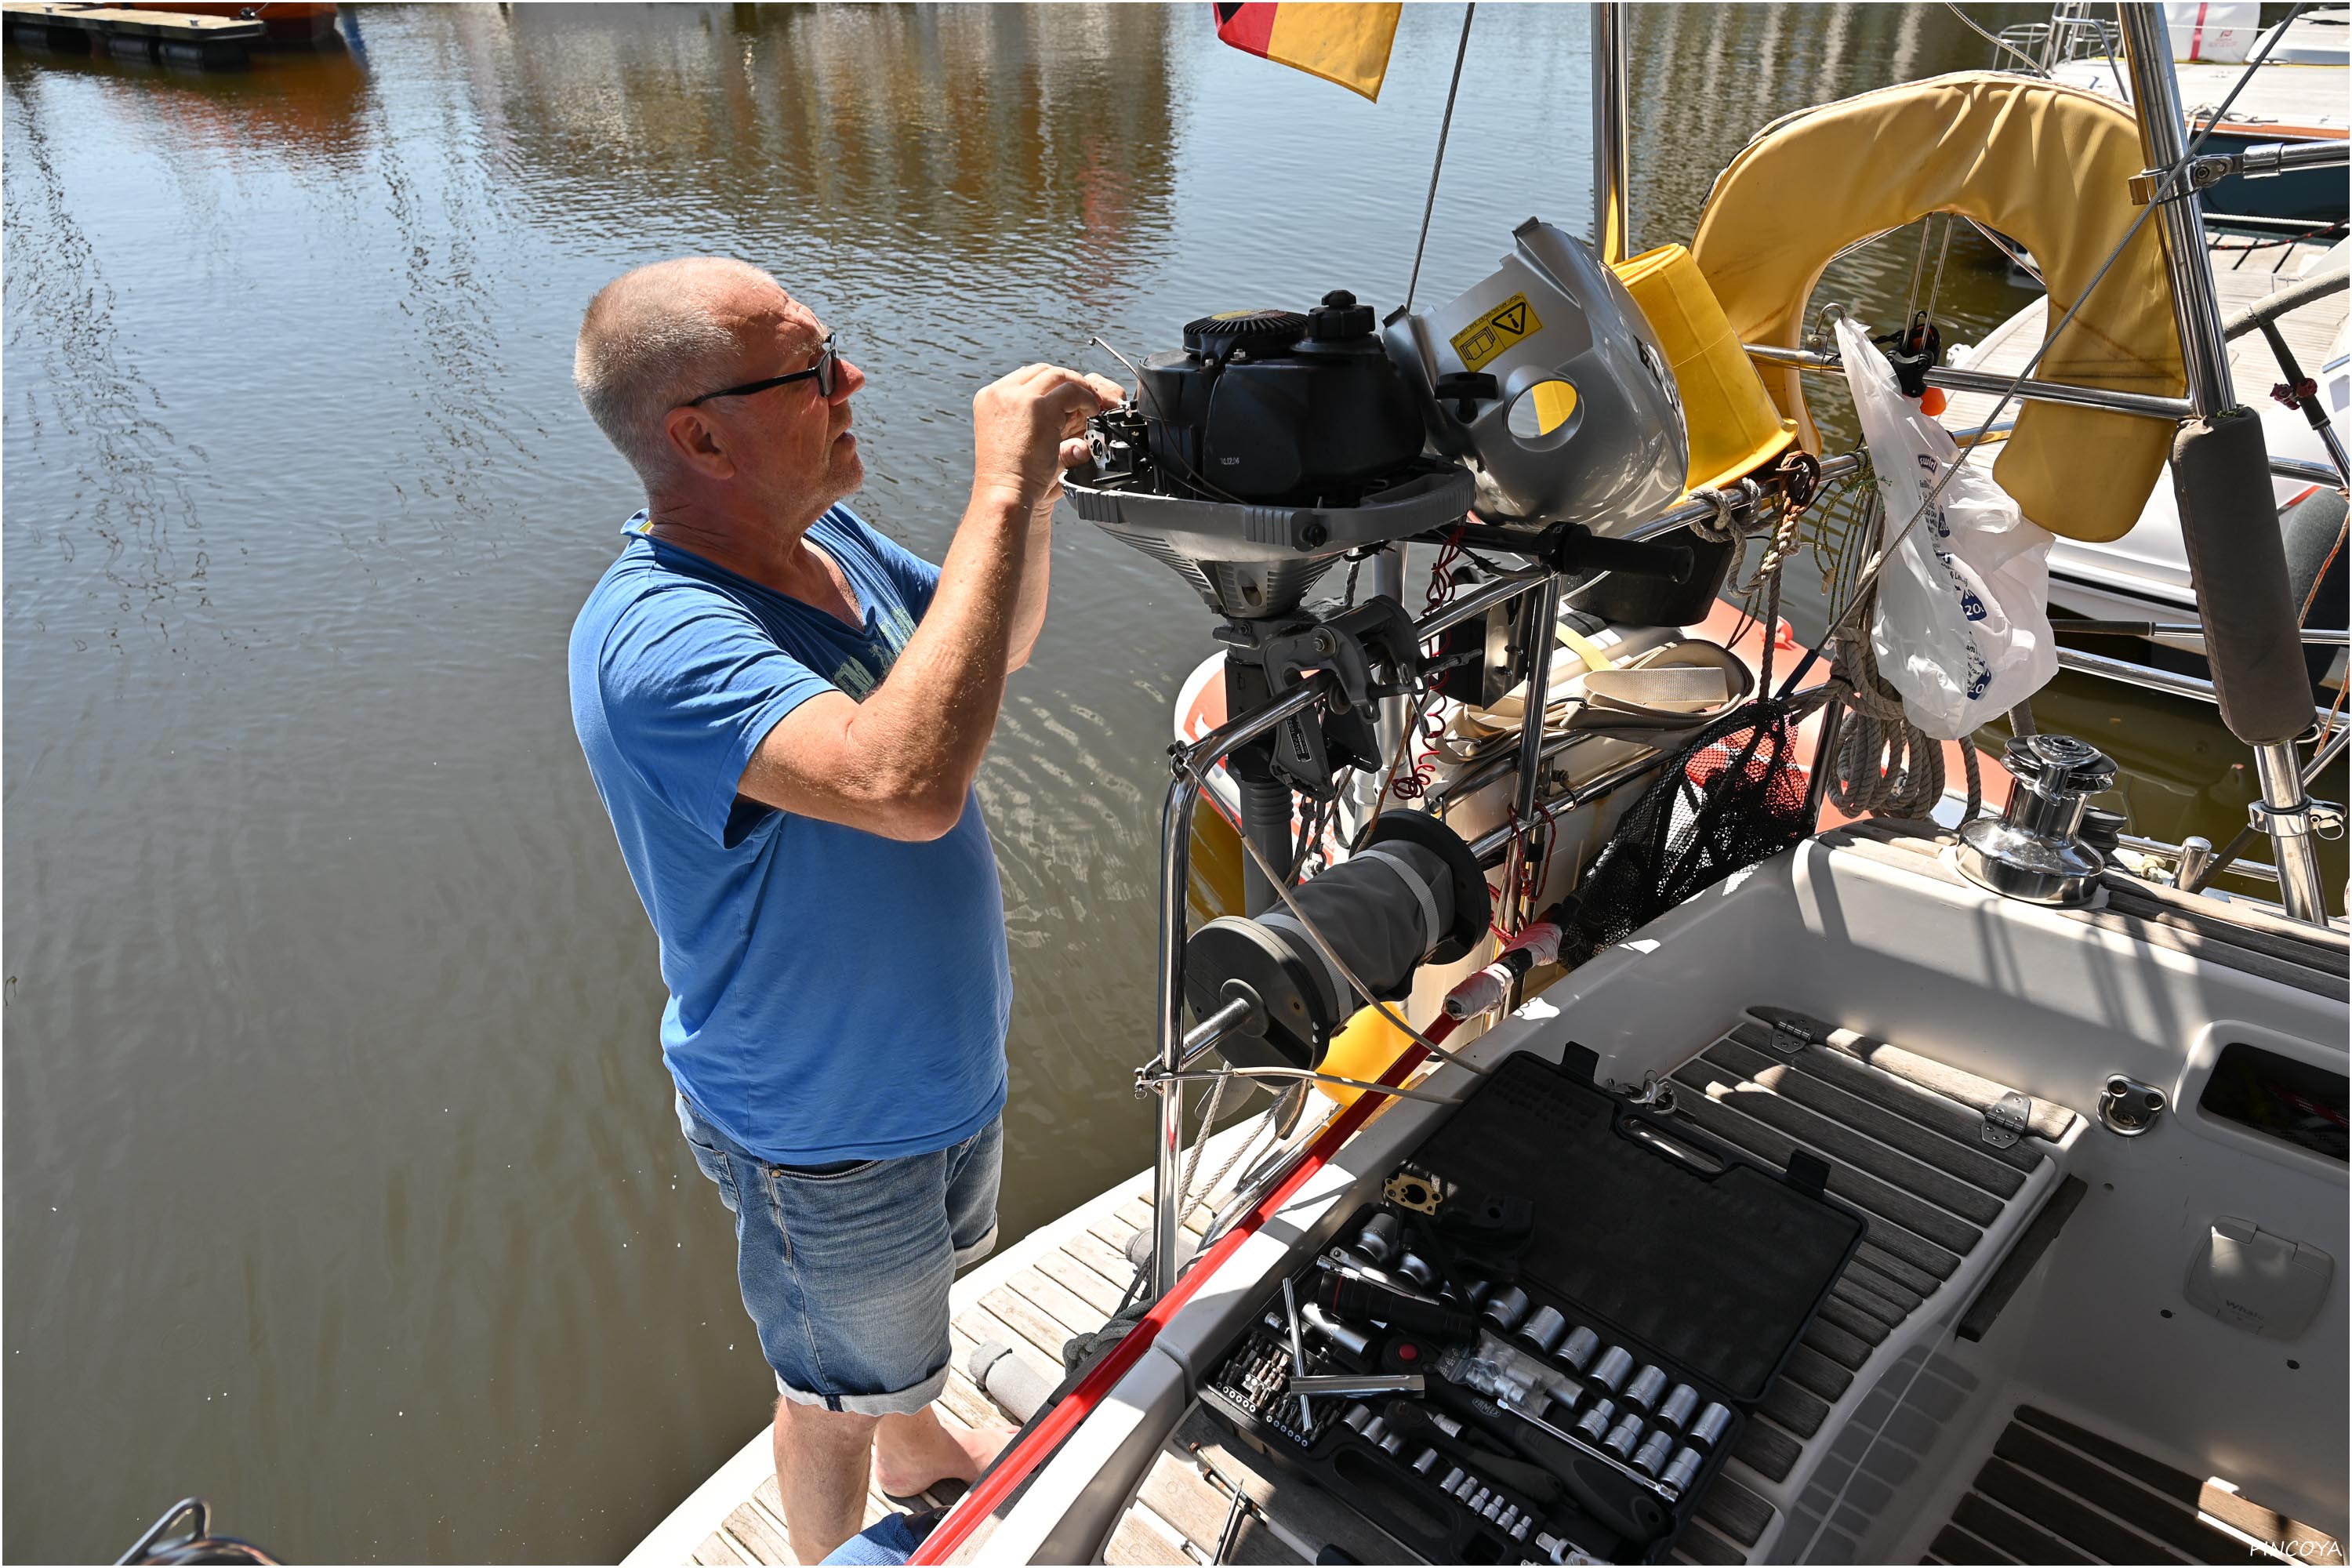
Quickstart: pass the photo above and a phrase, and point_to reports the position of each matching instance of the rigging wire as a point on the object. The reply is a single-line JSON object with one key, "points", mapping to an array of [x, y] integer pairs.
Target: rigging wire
{"points": [[2172, 189], [2017, 257], [2032, 66], [1936, 286], [1444, 127]]}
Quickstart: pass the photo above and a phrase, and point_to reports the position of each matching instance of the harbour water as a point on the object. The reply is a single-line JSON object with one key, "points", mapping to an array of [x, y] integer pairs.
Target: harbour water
{"points": [[341, 1181]]}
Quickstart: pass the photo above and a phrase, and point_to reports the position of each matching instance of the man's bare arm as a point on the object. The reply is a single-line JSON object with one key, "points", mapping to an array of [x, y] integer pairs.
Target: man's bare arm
{"points": [[901, 763], [1036, 570]]}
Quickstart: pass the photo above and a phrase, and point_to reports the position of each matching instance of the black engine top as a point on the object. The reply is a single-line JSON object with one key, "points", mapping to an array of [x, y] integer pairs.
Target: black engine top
{"points": [[1280, 407]]}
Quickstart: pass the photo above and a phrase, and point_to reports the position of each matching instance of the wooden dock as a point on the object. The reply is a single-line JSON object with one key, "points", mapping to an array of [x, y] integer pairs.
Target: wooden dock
{"points": [[175, 37], [1061, 1280]]}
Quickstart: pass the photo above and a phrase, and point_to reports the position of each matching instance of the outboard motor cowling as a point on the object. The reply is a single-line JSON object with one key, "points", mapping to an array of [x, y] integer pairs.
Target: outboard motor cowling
{"points": [[1271, 406], [1270, 445], [1547, 378]]}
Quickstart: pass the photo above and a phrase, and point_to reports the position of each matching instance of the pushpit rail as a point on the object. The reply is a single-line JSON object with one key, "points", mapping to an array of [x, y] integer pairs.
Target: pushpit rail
{"points": [[1190, 764]]}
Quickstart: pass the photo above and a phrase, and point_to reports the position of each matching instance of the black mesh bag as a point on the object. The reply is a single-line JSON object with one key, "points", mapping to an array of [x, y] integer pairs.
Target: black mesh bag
{"points": [[1732, 796]]}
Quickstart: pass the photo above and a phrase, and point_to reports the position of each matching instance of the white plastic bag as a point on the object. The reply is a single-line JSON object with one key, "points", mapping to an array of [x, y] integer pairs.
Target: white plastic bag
{"points": [[1963, 624]]}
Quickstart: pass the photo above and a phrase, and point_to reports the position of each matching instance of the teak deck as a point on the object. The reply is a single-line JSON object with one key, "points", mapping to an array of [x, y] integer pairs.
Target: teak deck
{"points": [[1901, 1135]]}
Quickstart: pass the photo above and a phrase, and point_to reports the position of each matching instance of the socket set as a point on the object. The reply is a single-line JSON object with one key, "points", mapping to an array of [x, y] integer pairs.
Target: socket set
{"points": [[1472, 1420], [1429, 1368]]}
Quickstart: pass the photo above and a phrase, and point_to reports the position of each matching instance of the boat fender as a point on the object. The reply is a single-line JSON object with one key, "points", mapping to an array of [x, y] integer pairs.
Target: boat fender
{"points": [[1007, 1378], [2045, 163]]}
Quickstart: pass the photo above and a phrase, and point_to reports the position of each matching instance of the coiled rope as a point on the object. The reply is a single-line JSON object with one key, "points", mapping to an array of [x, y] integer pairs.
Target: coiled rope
{"points": [[1884, 764]]}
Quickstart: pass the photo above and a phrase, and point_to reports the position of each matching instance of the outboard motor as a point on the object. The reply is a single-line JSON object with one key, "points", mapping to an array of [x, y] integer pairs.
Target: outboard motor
{"points": [[1270, 405], [1548, 380], [1271, 444], [1274, 442]]}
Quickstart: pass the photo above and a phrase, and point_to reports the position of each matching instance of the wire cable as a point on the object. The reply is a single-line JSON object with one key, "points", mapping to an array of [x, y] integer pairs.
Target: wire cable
{"points": [[1445, 128]]}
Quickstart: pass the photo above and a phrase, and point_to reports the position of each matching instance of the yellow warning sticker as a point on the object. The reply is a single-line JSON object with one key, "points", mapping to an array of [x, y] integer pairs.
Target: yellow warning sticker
{"points": [[1497, 330]]}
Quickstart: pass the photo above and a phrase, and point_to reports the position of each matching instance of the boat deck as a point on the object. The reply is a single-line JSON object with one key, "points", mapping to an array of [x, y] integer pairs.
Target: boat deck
{"points": [[1957, 1221], [2245, 272], [1902, 1144]]}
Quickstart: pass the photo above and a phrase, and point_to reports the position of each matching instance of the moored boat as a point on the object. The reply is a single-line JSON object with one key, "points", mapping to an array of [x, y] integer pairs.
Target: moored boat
{"points": [[1692, 1177], [285, 21]]}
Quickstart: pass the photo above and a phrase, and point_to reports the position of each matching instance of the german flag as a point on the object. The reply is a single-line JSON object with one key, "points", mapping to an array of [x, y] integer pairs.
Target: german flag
{"points": [[1348, 43]]}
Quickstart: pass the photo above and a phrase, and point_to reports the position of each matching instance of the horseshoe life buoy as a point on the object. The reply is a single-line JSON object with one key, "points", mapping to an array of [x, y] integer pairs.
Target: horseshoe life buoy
{"points": [[2044, 163]]}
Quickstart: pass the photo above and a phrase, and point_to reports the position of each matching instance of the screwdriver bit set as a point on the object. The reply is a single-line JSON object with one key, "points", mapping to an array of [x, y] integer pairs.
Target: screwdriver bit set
{"points": [[1434, 1367]]}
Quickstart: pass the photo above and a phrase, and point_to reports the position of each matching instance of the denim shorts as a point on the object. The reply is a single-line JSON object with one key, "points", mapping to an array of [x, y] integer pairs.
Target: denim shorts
{"points": [[845, 1268]]}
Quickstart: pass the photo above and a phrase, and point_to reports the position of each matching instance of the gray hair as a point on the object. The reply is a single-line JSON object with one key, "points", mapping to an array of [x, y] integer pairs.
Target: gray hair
{"points": [[652, 339]]}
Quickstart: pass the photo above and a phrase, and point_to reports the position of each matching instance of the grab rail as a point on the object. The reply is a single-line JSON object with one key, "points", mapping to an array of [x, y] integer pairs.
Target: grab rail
{"points": [[2140, 405]]}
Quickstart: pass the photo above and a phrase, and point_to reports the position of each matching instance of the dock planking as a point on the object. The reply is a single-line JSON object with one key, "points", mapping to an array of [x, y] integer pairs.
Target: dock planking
{"points": [[179, 37], [1068, 1283]]}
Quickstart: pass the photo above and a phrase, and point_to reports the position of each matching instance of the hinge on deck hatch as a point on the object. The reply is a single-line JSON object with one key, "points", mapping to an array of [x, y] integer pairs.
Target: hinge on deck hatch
{"points": [[2005, 1120], [1791, 1031]]}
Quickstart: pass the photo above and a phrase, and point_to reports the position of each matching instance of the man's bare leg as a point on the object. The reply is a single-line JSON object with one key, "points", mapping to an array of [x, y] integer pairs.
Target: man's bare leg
{"points": [[821, 1468], [915, 1453]]}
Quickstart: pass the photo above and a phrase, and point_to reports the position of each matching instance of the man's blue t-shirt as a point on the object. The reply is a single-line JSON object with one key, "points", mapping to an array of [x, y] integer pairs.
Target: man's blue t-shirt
{"points": [[834, 994]]}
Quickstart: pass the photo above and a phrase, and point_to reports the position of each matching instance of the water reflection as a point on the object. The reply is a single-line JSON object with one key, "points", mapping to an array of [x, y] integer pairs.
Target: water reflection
{"points": [[309, 110], [961, 129], [341, 1180], [122, 481]]}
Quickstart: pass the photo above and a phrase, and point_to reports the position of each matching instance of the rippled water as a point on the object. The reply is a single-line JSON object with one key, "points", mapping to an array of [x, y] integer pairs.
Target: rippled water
{"points": [[341, 1182]]}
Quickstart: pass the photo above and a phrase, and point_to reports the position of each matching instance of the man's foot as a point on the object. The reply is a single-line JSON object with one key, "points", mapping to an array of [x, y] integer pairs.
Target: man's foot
{"points": [[914, 1453]]}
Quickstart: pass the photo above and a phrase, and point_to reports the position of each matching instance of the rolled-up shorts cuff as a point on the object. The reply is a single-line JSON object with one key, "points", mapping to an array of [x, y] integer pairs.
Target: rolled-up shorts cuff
{"points": [[846, 1271], [965, 1257], [907, 1402]]}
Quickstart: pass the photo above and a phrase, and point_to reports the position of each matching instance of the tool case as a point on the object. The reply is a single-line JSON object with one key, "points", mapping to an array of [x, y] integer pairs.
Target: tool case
{"points": [[1594, 1300]]}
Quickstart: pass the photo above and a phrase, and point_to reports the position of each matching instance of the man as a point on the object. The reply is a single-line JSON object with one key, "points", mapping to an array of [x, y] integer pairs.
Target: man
{"points": [[784, 711]]}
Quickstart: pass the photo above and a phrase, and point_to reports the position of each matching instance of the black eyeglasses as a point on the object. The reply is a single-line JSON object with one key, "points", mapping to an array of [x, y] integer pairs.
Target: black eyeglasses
{"points": [[826, 355]]}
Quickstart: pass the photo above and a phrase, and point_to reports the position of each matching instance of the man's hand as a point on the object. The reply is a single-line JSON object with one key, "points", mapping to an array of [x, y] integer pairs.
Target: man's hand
{"points": [[1031, 426], [901, 762]]}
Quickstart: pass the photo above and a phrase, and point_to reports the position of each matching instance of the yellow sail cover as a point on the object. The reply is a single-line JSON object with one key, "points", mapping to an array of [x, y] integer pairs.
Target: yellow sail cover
{"points": [[2044, 164]]}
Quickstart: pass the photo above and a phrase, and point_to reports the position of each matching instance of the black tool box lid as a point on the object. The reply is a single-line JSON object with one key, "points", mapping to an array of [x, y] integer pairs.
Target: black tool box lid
{"points": [[1703, 1256]]}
